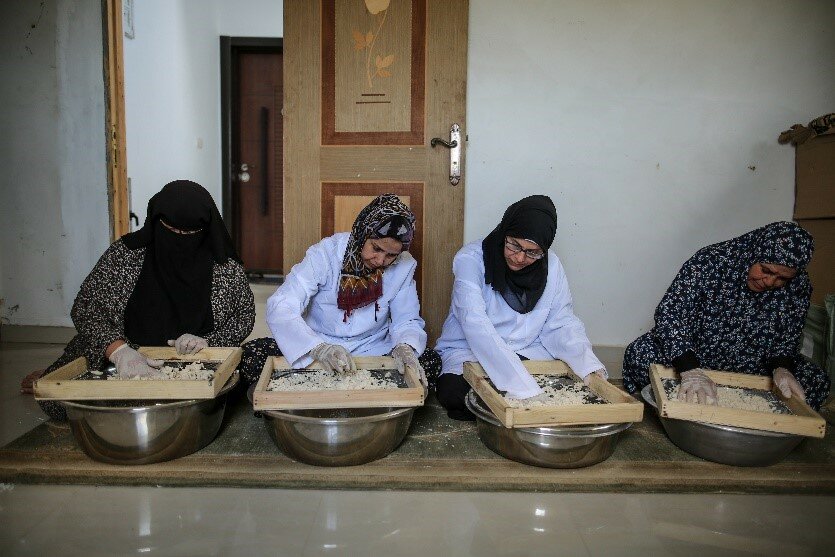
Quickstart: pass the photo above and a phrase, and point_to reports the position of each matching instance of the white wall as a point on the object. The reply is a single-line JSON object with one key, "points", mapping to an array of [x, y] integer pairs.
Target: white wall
{"points": [[53, 199], [172, 88], [641, 120]]}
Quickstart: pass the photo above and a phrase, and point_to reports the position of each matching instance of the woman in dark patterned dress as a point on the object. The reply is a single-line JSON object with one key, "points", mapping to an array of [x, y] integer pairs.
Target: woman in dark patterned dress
{"points": [[353, 294], [176, 281], [740, 306]]}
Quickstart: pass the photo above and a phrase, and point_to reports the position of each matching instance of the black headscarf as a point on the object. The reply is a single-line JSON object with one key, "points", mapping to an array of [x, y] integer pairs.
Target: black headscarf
{"points": [[173, 293], [533, 218]]}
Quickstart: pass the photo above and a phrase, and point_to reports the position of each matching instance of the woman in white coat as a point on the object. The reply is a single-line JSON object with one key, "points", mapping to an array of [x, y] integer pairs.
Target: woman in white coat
{"points": [[511, 302], [353, 294]]}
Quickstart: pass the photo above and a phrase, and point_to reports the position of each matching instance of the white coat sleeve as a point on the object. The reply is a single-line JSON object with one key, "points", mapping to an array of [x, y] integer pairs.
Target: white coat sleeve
{"points": [[407, 326], [564, 335], [286, 306], [500, 362]]}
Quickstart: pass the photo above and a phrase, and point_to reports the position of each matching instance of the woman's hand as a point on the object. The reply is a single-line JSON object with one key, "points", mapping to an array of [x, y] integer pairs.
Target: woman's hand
{"points": [[130, 363], [27, 385], [602, 373], [334, 357], [697, 387], [405, 356], [189, 344], [788, 385]]}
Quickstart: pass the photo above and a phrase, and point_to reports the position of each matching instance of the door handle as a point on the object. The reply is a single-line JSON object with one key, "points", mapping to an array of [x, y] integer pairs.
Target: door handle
{"points": [[243, 176], [454, 146], [265, 142], [444, 142]]}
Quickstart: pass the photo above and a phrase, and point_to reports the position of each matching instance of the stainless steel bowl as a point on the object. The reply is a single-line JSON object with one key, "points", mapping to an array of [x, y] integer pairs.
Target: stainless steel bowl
{"points": [[338, 437], [736, 446], [550, 447], [142, 432]]}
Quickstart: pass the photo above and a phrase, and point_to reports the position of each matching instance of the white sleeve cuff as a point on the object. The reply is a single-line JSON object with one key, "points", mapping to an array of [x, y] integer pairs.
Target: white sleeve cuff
{"points": [[527, 393]]}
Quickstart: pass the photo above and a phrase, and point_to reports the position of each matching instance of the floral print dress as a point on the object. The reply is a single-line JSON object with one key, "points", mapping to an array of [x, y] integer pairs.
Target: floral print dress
{"points": [[710, 318]]}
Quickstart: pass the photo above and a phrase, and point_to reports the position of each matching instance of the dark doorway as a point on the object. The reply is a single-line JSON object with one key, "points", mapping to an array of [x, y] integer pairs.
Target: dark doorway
{"points": [[252, 98]]}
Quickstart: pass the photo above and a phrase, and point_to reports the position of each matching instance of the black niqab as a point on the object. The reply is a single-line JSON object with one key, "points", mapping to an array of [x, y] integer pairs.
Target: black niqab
{"points": [[173, 293], [533, 218]]}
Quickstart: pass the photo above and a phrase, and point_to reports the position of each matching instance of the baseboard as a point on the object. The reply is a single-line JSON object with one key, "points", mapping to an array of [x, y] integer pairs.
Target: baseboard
{"points": [[612, 358], [36, 334]]}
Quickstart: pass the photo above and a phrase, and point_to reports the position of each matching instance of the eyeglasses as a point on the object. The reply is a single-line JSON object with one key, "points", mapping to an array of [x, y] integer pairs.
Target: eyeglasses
{"points": [[529, 253], [177, 230]]}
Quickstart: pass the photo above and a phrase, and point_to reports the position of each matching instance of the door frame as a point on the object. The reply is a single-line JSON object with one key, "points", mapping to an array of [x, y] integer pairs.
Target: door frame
{"points": [[114, 119], [227, 45], [115, 129]]}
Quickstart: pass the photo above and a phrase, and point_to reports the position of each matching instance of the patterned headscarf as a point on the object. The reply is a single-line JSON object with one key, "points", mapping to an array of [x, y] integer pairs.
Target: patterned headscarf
{"points": [[385, 217], [784, 243]]}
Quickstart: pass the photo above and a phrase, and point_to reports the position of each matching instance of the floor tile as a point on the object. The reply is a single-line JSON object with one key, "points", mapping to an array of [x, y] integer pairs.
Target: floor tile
{"points": [[112, 521], [174, 521], [19, 413], [411, 523], [23, 509]]}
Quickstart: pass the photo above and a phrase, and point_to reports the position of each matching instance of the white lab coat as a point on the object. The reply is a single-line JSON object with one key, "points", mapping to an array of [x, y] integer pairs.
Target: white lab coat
{"points": [[302, 313], [482, 327]]}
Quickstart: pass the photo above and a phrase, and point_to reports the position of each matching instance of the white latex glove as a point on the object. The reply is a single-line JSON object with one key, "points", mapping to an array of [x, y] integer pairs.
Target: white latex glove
{"points": [[405, 356], [189, 344], [697, 387], [334, 357], [788, 385], [602, 373], [130, 363]]}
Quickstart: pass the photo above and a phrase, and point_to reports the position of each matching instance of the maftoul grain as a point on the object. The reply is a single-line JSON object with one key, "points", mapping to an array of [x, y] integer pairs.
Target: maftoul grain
{"points": [[194, 371], [739, 398], [558, 393], [321, 380]]}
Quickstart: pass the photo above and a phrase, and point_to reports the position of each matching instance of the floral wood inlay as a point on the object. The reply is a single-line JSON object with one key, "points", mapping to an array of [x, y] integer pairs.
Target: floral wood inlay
{"points": [[366, 42]]}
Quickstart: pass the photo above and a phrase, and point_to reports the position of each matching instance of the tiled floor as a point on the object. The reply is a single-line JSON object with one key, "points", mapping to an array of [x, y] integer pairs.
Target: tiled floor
{"points": [[112, 521]]}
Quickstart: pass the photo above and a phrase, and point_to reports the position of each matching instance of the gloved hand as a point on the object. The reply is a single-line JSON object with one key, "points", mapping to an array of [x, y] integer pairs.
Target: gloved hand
{"points": [[602, 373], [697, 387], [405, 356], [189, 344], [334, 357], [788, 385], [130, 363]]}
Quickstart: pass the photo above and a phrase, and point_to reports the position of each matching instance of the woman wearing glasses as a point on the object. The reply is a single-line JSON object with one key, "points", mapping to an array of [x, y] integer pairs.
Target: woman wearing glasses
{"points": [[511, 302]]}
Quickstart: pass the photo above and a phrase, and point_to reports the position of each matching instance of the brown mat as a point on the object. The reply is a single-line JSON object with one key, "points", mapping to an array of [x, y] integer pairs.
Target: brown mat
{"points": [[438, 454]]}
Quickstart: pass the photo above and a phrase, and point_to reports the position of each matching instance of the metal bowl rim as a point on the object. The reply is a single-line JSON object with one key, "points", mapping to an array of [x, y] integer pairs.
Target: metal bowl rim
{"points": [[645, 394], [283, 415], [90, 404], [585, 430]]}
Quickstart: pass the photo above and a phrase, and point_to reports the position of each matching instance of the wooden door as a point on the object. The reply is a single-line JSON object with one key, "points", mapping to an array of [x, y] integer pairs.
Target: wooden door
{"points": [[257, 147], [368, 84]]}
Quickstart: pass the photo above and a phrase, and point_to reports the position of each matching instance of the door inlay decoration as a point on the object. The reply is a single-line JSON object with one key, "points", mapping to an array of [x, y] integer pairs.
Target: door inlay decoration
{"points": [[373, 81]]}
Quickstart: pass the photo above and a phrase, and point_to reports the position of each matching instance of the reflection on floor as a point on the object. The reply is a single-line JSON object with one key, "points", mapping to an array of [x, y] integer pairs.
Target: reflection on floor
{"points": [[90, 521]]}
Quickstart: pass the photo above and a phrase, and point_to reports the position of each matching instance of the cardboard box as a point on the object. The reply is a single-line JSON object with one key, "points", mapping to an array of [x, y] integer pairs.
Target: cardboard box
{"points": [[822, 268], [815, 178]]}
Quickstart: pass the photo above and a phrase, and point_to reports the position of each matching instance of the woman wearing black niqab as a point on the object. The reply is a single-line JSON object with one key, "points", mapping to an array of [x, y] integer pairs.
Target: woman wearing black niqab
{"points": [[511, 301], [177, 280], [738, 305], [184, 237]]}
